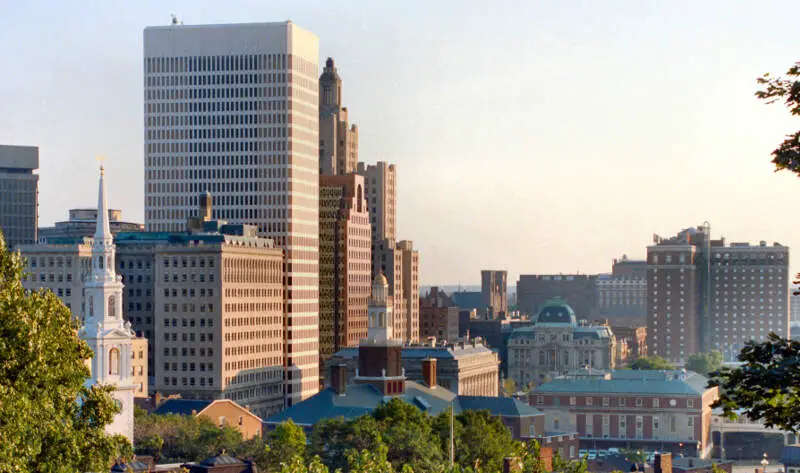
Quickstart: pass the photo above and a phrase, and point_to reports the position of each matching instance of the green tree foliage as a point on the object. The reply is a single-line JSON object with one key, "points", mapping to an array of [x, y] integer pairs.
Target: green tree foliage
{"points": [[634, 456], [766, 386], [787, 90], [410, 437], [175, 438], [704, 363], [285, 444], [652, 363], [49, 421], [483, 441], [509, 386]]}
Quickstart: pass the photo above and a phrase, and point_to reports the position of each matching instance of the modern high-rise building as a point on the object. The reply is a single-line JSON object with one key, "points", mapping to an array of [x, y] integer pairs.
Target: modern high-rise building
{"points": [[494, 291], [381, 183], [338, 140], [234, 110], [19, 194], [704, 294], [345, 266]]}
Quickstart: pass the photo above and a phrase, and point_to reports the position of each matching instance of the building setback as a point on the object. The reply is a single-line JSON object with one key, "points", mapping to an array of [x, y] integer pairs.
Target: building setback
{"points": [[345, 263], [338, 141], [234, 110], [19, 194]]}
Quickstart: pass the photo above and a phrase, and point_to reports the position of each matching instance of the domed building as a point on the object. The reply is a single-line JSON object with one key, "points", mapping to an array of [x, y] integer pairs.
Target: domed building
{"points": [[557, 344]]}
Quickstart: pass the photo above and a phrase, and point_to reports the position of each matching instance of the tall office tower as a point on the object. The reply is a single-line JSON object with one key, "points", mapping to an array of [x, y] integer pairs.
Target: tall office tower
{"points": [[338, 141], [19, 194], [410, 290], [234, 110], [494, 291], [345, 263], [381, 182], [704, 294]]}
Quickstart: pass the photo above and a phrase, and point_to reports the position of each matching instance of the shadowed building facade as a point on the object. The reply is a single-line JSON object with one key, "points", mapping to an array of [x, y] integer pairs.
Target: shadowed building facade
{"points": [[345, 263], [19, 194]]}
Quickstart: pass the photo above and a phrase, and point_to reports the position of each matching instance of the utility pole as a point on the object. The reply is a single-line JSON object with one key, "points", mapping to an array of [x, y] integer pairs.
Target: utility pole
{"points": [[452, 435]]}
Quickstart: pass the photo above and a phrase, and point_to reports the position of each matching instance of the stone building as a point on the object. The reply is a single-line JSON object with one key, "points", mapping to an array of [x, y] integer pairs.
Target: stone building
{"points": [[19, 194], [81, 222], [439, 316], [578, 290], [556, 344], [468, 368], [345, 263]]}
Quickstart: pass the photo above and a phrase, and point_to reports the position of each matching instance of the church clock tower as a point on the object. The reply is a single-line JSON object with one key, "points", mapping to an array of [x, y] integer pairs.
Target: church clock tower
{"points": [[104, 329]]}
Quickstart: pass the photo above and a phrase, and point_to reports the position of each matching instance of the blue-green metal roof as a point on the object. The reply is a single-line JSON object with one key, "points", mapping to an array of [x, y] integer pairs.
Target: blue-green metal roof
{"points": [[630, 382]]}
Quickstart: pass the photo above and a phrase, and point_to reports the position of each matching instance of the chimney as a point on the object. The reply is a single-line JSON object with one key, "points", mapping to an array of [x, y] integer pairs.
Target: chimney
{"points": [[546, 457], [339, 379], [663, 463], [511, 465], [429, 372]]}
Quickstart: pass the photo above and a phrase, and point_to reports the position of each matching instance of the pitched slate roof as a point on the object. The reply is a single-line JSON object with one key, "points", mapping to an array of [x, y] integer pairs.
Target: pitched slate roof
{"points": [[499, 406], [182, 406], [361, 399], [631, 382]]}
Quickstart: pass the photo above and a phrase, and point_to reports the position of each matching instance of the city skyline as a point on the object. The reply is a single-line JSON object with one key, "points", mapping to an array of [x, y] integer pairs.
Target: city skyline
{"points": [[555, 91]]}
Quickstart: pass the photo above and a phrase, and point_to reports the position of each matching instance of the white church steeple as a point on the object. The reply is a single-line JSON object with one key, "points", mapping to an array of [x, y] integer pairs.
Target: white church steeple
{"points": [[104, 329]]}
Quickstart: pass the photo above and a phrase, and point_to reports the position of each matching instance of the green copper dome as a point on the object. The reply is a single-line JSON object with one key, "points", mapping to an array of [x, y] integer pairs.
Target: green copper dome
{"points": [[557, 312]]}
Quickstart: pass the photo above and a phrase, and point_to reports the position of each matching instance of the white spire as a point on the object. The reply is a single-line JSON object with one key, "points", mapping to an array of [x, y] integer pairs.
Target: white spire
{"points": [[103, 231]]}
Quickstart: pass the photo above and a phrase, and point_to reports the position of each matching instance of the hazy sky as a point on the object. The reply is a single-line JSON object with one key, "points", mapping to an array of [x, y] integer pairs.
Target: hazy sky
{"points": [[533, 136]]}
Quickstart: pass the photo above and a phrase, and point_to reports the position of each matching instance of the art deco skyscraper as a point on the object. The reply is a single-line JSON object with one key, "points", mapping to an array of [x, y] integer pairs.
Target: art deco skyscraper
{"points": [[233, 110], [338, 140]]}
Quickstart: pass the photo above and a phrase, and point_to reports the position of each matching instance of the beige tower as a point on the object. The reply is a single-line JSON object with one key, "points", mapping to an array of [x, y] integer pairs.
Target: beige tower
{"points": [[345, 263], [338, 140]]}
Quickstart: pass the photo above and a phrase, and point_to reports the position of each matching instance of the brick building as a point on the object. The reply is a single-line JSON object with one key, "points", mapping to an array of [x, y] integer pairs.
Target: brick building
{"points": [[667, 411], [438, 316]]}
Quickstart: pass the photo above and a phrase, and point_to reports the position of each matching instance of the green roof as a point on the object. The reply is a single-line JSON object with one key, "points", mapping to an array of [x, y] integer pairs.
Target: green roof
{"points": [[630, 382]]}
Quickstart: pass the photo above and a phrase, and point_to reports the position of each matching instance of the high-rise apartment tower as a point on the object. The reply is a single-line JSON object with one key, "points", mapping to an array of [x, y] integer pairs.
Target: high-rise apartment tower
{"points": [[19, 194]]}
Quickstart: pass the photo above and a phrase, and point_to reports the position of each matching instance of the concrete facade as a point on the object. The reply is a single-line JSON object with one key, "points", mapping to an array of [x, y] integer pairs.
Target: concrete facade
{"points": [[410, 292], [345, 263], [19, 194], [622, 299], [251, 139], [381, 183], [338, 140]]}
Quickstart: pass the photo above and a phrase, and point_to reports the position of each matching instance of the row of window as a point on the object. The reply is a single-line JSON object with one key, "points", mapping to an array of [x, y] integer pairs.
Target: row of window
{"points": [[188, 351], [189, 366], [188, 337], [621, 402]]}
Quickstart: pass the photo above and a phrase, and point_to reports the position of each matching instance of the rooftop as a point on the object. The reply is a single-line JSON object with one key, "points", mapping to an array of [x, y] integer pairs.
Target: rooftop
{"points": [[630, 382]]}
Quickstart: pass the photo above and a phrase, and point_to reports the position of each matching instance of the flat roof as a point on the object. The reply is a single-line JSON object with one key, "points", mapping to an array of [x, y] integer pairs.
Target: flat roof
{"points": [[19, 157]]}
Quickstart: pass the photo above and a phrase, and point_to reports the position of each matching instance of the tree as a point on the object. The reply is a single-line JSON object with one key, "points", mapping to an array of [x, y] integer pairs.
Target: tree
{"points": [[509, 386], [408, 433], [49, 420], [284, 444], [483, 441], [331, 439], [651, 363], [785, 89], [704, 363], [766, 386]]}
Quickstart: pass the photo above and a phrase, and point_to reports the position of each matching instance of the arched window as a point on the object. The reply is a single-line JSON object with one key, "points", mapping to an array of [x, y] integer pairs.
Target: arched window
{"points": [[100, 262], [112, 307], [113, 361]]}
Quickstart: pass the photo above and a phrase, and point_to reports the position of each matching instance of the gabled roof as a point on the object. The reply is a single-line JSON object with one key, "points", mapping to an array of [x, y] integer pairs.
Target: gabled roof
{"points": [[221, 459]]}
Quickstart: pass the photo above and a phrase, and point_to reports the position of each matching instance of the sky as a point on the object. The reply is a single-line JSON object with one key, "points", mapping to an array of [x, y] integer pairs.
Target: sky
{"points": [[531, 136]]}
